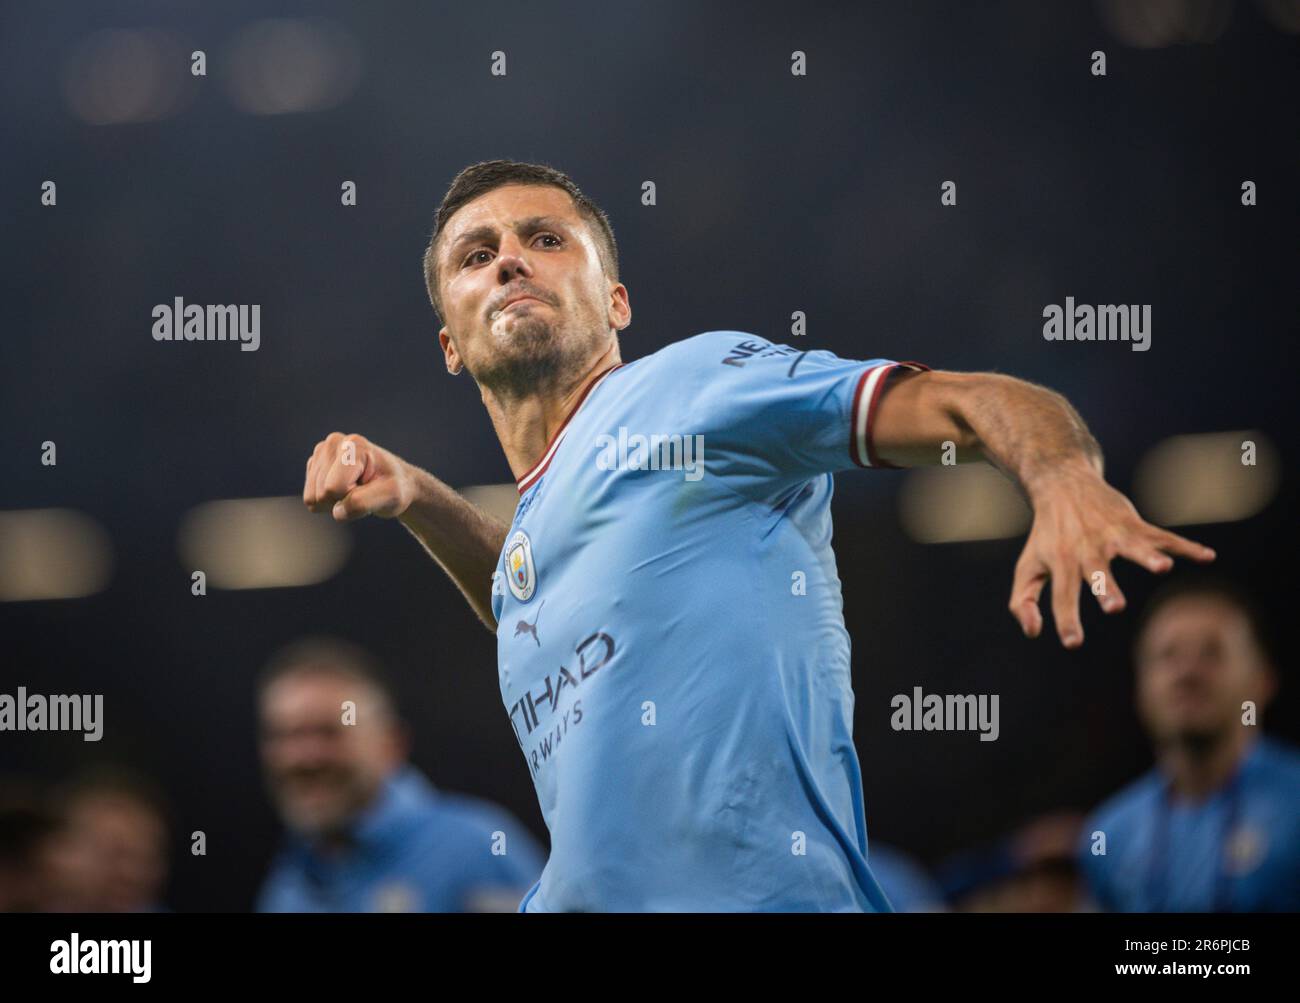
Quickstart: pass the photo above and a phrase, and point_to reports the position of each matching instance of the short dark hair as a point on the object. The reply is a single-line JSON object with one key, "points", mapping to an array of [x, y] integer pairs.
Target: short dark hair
{"points": [[1194, 585], [332, 656], [479, 179], [119, 783]]}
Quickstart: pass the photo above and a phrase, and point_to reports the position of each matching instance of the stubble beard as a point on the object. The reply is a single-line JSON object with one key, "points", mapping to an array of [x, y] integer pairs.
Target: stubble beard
{"points": [[532, 358], [1198, 740]]}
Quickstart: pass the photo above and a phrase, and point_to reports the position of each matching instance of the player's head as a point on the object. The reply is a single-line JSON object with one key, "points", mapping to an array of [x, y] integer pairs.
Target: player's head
{"points": [[329, 734], [507, 229], [111, 853], [1200, 655]]}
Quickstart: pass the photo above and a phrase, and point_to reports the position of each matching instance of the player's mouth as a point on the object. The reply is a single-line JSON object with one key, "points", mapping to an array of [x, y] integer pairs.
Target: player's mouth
{"points": [[519, 294], [312, 782]]}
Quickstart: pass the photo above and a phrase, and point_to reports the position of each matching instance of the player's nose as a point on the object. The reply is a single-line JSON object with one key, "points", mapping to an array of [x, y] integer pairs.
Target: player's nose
{"points": [[512, 261]]}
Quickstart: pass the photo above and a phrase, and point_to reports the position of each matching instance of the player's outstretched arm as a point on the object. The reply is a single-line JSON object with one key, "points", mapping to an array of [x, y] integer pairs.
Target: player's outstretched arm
{"points": [[1034, 436], [350, 477]]}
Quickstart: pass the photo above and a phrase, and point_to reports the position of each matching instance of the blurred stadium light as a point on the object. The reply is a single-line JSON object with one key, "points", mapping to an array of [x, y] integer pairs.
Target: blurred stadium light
{"points": [[118, 76], [1152, 24], [1207, 478], [972, 501], [1282, 14], [259, 543], [283, 65], [52, 553]]}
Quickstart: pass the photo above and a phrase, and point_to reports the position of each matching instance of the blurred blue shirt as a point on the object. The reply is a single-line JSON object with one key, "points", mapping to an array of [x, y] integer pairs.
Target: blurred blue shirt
{"points": [[905, 882], [415, 849], [1236, 851]]}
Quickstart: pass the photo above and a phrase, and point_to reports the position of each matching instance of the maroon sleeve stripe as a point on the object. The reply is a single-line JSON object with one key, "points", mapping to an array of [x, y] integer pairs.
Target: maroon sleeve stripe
{"points": [[866, 396]]}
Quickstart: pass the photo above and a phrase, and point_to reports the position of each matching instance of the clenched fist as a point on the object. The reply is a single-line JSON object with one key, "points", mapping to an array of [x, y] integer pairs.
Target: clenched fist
{"points": [[351, 477]]}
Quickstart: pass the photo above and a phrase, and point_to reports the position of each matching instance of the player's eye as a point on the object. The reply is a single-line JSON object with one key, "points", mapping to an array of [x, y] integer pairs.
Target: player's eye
{"points": [[470, 258]]}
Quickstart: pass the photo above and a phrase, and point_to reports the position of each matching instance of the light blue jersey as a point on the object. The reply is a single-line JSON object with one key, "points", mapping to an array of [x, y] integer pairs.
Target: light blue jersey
{"points": [[671, 641], [1237, 850]]}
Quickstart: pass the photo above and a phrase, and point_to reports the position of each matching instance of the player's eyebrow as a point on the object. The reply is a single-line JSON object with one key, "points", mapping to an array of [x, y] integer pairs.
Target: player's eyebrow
{"points": [[477, 234]]}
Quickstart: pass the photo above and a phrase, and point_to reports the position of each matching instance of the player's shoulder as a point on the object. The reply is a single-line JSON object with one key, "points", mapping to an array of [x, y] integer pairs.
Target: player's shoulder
{"points": [[1126, 806], [278, 891], [473, 816], [713, 348], [416, 805], [1279, 760], [488, 837], [701, 371]]}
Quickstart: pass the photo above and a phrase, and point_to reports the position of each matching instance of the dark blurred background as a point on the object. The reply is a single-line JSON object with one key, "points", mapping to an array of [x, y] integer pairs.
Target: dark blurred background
{"points": [[775, 193]]}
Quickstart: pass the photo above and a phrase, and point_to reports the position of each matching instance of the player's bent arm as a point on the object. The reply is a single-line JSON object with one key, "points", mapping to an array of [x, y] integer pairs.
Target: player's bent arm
{"points": [[1034, 436], [1024, 429], [351, 477], [461, 537]]}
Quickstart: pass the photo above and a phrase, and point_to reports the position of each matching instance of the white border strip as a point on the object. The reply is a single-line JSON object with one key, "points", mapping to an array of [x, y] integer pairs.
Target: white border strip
{"points": [[860, 429]]}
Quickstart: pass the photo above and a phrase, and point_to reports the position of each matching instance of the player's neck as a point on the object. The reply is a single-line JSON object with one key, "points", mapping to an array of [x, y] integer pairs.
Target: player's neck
{"points": [[526, 425], [1197, 770]]}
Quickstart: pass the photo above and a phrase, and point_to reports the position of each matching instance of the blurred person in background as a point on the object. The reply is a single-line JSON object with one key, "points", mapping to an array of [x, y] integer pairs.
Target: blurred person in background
{"points": [[1215, 826], [27, 828], [1032, 871], [367, 831], [110, 851], [904, 881]]}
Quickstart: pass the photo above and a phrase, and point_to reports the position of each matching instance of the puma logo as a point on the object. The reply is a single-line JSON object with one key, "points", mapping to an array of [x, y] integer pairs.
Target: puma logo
{"points": [[524, 627]]}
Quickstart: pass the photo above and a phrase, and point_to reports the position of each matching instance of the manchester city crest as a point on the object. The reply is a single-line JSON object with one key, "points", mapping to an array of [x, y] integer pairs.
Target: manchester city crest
{"points": [[519, 566]]}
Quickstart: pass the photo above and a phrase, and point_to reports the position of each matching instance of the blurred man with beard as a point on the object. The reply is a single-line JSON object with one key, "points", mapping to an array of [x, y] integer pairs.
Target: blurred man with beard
{"points": [[368, 832], [1215, 826]]}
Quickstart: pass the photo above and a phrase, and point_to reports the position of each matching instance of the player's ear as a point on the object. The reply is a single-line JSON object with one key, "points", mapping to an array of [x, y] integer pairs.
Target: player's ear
{"points": [[399, 742], [620, 310], [454, 363], [1266, 681]]}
